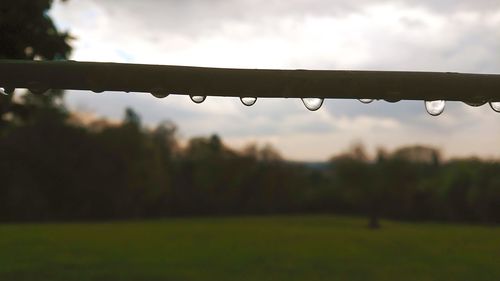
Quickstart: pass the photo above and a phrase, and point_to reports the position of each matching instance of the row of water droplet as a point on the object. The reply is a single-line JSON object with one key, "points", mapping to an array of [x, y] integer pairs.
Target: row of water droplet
{"points": [[248, 101], [434, 107]]}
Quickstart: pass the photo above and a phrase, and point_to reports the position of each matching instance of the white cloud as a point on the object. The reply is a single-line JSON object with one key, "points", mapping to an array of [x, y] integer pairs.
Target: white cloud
{"points": [[319, 34]]}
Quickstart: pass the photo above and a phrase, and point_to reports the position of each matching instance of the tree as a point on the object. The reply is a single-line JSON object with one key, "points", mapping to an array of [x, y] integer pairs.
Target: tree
{"points": [[27, 33], [355, 174]]}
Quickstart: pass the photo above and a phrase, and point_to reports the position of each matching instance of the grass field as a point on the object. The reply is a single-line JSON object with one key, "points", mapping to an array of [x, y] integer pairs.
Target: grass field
{"points": [[268, 248]]}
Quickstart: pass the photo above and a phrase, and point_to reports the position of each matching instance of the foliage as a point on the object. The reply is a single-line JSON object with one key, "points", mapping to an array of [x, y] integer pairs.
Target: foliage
{"points": [[53, 169], [28, 33]]}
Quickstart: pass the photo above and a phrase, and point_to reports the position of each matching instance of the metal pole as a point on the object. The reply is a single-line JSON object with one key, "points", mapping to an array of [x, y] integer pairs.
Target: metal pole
{"points": [[341, 84]]}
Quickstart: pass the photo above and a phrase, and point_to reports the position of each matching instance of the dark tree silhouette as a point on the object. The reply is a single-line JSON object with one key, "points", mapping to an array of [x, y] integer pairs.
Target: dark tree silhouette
{"points": [[27, 32], [352, 170]]}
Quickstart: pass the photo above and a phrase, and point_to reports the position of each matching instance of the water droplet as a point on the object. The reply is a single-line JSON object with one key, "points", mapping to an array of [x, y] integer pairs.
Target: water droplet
{"points": [[248, 101], [474, 104], [198, 99], [495, 105], [37, 88], [312, 104], [97, 91], [38, 91], [159, 94], [366, 100], [435, 107], [392, 100]]}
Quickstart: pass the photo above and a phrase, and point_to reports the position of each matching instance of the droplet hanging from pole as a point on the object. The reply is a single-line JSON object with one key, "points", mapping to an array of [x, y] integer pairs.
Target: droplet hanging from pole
{"points": [[435, 107], [312, 104]]}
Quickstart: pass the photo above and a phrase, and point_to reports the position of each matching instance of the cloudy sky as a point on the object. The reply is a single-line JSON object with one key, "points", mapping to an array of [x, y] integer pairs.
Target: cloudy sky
{"points": [[421, 35]]}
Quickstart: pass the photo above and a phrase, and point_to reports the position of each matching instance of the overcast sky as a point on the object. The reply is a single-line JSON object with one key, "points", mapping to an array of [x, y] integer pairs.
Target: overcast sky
{"points": [[427, 35]]}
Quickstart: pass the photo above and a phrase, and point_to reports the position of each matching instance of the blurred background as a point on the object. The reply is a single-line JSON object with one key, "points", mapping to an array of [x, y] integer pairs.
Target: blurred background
{"points": [[127, 186]]}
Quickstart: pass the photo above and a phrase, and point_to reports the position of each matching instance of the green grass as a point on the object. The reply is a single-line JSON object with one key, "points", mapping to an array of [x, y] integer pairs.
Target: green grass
{"points": [[251, 248]]}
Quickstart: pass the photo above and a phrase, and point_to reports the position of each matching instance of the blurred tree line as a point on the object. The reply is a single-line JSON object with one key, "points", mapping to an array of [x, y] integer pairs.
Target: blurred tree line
{"points": [[54, 167]]}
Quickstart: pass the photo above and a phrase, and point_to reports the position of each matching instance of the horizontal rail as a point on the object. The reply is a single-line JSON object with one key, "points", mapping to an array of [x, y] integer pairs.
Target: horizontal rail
{"points": [[388, 85]]}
